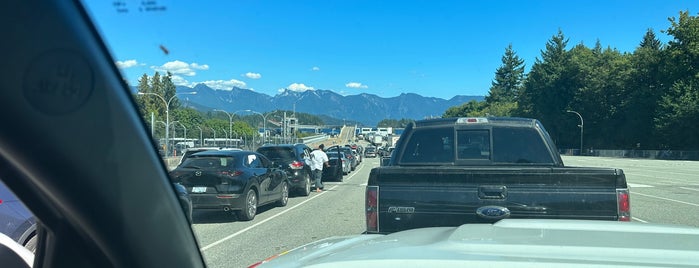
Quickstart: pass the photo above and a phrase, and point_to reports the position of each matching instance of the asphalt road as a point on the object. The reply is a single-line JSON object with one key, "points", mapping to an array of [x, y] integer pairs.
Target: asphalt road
{"points": [[226, 242], [662, 192]]}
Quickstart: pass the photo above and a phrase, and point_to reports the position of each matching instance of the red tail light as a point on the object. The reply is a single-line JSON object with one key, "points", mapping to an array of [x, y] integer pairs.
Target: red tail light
{"points": [[372, 208], [230, 173], [296, 165], [623, 204]]}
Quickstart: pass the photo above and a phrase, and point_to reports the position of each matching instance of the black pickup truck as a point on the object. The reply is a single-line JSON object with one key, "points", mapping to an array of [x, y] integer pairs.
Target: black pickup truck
{"points": [[448, 172]]}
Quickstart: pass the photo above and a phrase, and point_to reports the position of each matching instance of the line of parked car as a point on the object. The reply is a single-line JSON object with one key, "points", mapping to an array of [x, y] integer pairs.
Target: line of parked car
{"points": [[239, 181]]}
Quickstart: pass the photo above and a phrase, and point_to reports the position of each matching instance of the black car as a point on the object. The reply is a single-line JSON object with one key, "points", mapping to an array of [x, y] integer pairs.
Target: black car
{"points": [[237, 181], [334, 169], [351, 155], [370, 151], [293, 159]]}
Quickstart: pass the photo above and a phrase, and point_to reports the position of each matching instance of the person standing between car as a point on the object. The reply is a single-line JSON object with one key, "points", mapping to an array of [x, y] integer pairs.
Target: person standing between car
{"points": [[318, 160]]}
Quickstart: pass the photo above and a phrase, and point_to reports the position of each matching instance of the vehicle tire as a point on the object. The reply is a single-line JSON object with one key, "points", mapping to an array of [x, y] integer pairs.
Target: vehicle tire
{"points": [[249, 208], [285, 195], [31, 243], [307, 185]]}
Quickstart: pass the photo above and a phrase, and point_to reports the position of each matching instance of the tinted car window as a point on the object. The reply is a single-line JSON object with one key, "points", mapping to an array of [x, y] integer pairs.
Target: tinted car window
{"points": [[265, 162], [473, 144], [513, 145], [430, 145], [213, 162], [277, 152], [332, 154]]}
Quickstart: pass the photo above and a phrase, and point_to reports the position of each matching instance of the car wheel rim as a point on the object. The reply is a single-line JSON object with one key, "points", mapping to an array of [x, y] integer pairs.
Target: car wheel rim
{"points": [[285, 193], [308, 184], [252, 204]]}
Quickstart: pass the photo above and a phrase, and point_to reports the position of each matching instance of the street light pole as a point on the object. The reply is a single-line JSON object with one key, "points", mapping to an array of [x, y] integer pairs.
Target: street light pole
{"points": [[582, 124], [212, 129], [167, 115], [201, 137], [264, 125], [185, 132], [224, 131], [230, 120]]}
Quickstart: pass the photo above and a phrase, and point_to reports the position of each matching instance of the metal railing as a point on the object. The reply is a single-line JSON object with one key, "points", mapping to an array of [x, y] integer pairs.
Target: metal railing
{"points": [[647, 154]]}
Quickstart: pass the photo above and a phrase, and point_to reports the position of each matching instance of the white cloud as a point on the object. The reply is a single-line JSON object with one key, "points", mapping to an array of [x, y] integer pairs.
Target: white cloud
{"points": [[253, 75], [127, 64], [224, 84], [355, 85], [299, 87], [180, 67], [180, 81], [295, 87], [315, 68]]}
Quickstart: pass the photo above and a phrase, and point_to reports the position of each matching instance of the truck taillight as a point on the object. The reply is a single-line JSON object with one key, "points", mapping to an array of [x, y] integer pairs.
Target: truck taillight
{"points": [[623, 204], [372, 208]]}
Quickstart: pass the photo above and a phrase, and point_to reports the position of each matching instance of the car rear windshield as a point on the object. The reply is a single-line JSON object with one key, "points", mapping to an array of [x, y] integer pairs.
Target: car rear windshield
{"points": [[209, 162], [277, 153]]}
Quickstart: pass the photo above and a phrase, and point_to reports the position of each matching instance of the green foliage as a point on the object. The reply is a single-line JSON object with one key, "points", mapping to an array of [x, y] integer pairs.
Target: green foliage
{"points": [[679, 114], [549, 86], [471, 108], [643, 91], [508, 78], [678, 111], [649, 97]]}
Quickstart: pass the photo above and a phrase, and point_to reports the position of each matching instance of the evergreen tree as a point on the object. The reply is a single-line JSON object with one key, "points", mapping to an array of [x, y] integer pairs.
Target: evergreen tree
{"points": [[643, 90], [508, 78], [678, 111], [547, 92], [169, 90]]}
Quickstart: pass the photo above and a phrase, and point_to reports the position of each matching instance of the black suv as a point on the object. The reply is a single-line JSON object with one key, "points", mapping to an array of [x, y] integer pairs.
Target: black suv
{"points": [[292, 158]]}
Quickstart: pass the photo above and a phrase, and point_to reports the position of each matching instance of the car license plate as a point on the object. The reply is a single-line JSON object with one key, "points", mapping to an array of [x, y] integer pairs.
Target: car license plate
{"points": [[198, 189]]}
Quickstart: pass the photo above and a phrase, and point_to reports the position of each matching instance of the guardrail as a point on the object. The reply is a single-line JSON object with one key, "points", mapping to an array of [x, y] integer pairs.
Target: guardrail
{"points": [[648, 154], [316, 138]]}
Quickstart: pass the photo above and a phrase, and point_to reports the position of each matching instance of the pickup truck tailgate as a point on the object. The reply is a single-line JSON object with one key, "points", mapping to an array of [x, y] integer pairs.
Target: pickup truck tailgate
{"points": [[415, 197]]}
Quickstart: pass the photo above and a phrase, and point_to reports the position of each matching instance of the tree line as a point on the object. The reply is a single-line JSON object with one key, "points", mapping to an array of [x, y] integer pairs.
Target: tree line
{"points": [[646, 99]]}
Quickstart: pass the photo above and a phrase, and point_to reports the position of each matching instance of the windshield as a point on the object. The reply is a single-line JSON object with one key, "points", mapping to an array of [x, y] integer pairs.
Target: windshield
{"points": [[613, 83]]}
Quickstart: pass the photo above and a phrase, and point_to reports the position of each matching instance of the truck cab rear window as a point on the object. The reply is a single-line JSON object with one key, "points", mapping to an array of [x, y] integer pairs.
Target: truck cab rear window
{"points": [[519, 145], [430, 145], [473, 144]]}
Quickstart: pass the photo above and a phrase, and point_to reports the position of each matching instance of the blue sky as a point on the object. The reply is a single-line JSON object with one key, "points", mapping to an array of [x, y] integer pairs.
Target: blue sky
{"points": [[432, 48]]}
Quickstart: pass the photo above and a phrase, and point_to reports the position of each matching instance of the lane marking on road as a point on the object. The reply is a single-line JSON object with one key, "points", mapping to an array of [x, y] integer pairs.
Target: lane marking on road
{"points": [[637, 219], [667, 199], [691, 189], [637, 185], [274, 216]]}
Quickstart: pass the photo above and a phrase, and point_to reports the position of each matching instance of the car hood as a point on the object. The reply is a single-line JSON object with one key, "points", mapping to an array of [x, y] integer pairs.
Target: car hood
{"points": [[519, 242]]}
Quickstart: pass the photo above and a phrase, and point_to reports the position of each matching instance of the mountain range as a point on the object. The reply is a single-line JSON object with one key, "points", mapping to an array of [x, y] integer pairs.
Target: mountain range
{"points": [[368, 109]]}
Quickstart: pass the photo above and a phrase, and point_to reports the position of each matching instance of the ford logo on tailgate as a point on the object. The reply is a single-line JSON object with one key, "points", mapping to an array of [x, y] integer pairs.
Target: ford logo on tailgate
{"points": [[493, 212]]}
